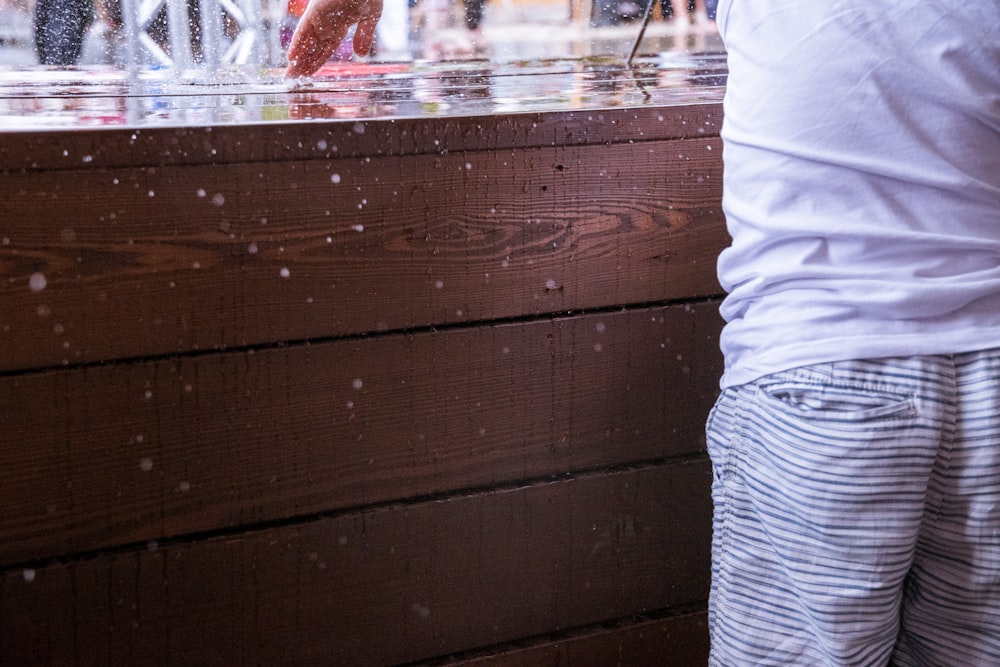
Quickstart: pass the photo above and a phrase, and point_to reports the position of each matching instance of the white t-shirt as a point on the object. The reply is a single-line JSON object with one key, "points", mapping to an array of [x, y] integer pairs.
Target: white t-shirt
{"points": [[862, 181]]}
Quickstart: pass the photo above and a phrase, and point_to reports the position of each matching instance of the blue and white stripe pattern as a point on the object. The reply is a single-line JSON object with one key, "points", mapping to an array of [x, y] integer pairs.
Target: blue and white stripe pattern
{"points": [[857, 515]]}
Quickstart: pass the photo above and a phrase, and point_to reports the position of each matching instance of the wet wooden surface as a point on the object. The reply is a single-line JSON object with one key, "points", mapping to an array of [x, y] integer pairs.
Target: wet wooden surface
{"points": [[88, 98], [415, 388]]}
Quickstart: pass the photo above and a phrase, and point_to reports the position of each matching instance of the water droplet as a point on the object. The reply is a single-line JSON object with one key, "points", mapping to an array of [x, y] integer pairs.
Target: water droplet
{"points": [[357, 384], [146, 464], [252, 248], [285, 272], [28, 574], [184, 487], [37, 282], [439, 284], [218, 199], [335, 178], [201, 192], [599, 327]]}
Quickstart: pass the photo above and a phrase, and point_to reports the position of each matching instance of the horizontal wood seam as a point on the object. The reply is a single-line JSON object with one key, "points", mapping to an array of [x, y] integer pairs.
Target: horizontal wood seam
{"points": [[622, 623], [369, 335], [452, 494]]}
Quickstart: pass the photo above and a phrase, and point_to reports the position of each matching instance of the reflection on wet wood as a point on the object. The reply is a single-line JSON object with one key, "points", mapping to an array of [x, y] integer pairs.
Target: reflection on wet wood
{"points": [[106, 97], [408, 387]]}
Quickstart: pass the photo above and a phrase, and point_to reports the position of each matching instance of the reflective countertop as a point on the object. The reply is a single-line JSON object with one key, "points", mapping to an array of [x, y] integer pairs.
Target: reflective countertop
{"points": [[41, 99]]}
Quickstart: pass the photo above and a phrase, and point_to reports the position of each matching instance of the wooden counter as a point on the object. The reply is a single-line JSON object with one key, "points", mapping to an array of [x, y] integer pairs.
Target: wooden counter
{"points": [[415, 381]]}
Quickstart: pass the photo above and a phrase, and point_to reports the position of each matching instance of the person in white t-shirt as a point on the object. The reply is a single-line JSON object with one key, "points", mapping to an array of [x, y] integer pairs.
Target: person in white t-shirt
{"points": [[856, 443]]}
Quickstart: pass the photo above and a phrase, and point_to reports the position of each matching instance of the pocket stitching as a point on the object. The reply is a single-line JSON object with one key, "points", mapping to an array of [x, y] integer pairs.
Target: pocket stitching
{"points": [[901, 405]]}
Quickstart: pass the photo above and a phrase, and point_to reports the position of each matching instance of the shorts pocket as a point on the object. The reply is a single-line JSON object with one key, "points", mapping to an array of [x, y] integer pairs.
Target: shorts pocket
{"points": [[833, 403]]}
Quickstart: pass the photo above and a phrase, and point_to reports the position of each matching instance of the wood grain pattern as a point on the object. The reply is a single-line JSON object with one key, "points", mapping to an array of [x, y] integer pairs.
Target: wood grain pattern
{"points": [[365, 393], [391, 585], [92, 458], [143, 262]]}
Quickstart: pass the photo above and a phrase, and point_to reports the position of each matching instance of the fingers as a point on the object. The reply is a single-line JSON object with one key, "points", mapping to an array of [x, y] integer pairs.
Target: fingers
{"points": [[311, 48], [324, 26], [364, 36]]}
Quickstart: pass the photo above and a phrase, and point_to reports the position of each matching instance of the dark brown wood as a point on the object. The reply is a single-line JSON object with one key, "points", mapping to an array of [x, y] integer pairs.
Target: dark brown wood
{"points": [[199, 258], [378, 391], [97, 457], [391, 585], [353, 138], [675, 641]]}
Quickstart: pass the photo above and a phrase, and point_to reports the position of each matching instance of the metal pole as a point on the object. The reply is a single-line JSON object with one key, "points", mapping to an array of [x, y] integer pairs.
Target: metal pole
{"points": [[642, 32], [211, 32], [179, 26], [130, 28]]}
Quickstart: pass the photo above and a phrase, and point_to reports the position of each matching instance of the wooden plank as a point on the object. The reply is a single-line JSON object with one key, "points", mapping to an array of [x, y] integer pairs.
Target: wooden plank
{"points": [[674, 641], [100, 456], [110, 264], [358, 138], [391, 585]]}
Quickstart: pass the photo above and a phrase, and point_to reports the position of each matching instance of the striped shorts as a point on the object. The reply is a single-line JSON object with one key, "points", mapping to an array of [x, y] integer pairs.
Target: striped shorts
{"points": [[857, 515]]}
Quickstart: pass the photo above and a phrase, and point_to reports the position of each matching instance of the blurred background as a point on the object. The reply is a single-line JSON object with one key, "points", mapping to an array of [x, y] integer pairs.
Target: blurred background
{"points": [[221, 33]]}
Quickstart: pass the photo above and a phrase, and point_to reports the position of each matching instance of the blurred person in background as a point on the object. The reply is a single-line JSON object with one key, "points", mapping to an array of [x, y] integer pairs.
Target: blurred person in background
{"points": [[699, 13], [59, 27]]}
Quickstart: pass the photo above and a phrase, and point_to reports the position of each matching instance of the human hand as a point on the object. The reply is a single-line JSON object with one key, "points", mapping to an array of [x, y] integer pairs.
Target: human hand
{"points": [[323, 27]]}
